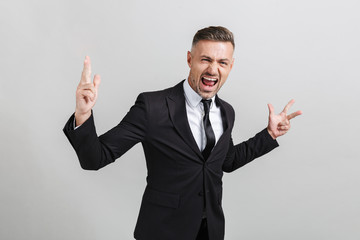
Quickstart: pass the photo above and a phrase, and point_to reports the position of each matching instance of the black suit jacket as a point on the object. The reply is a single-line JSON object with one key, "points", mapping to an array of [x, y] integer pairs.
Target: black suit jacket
{"points": [[180, 182]]}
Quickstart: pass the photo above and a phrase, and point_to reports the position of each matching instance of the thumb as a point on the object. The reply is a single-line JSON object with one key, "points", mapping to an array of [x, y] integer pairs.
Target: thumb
{"points": [[271, 109], [97, 81]]}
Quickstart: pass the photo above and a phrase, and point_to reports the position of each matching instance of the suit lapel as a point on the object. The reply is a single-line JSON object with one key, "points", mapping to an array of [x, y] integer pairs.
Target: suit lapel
{"points": [[226, 115], [178, 116]]}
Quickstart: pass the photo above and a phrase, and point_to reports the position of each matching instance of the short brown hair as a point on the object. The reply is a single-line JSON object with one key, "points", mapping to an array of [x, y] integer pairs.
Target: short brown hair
{"points": [[213, 33]]}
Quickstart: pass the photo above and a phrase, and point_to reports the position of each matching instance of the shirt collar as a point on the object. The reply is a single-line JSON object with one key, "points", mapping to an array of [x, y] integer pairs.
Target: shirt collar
{"points": [[192, 97]]}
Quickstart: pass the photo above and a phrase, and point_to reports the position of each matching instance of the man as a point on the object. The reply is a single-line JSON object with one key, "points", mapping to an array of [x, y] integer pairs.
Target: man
{"points": [[185, 132]]}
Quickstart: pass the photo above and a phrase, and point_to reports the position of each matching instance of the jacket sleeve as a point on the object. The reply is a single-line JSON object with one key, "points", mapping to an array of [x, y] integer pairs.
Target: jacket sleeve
{"points": [[245, 152], [96, 152]]}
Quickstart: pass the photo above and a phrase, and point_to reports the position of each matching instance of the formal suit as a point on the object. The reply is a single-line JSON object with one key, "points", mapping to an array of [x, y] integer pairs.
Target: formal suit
{"points": [[179, 182]]}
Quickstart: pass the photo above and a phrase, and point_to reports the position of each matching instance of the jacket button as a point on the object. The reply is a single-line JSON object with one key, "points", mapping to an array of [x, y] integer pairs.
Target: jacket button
{"points": [[202, 193]]}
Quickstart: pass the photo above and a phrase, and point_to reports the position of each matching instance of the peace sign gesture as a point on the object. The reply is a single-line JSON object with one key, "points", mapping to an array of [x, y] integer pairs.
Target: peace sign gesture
{"points": [[86, 93], [279, 124]]}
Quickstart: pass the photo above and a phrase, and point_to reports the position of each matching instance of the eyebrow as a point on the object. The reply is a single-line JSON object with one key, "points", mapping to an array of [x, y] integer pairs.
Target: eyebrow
{"points": [[221, 60]]}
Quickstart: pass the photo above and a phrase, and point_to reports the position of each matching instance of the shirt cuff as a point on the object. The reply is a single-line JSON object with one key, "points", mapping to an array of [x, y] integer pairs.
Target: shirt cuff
{"points": [[74, 125]]}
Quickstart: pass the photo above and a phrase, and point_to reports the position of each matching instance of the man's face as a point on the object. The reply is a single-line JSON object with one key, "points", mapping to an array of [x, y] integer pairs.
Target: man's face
{"points": [[210, 63]]}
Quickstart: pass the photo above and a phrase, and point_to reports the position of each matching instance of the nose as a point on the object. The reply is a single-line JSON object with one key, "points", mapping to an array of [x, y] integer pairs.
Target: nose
{"points": [[213, 69]]}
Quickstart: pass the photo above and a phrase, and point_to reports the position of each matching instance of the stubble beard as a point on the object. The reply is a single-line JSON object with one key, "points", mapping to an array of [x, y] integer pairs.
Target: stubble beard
{"points": [[195, 85], [205, 95]]}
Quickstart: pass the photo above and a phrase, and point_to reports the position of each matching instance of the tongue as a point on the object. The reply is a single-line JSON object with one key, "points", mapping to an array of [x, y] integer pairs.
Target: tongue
{"points": [[208, 83]]}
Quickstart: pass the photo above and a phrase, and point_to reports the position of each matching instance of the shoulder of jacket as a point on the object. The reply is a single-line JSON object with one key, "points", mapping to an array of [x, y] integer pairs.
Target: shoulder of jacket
{"points": [[161, 93], [226, 104]]}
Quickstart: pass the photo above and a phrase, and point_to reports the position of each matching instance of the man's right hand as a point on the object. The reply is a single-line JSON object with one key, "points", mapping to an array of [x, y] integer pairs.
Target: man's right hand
{"points": [[86, 93]]}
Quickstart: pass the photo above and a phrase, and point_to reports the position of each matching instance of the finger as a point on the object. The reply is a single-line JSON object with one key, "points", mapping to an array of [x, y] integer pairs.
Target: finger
{"points": [[88, 94], [284, 123], [295, 114], [284, 128], [87, 86], [86, 73], [271, 109], [286, 108], [97, 81]]}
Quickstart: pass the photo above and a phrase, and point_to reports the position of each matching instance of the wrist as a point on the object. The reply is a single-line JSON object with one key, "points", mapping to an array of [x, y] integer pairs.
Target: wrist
{"points": [[271, 133], [81, 118]]}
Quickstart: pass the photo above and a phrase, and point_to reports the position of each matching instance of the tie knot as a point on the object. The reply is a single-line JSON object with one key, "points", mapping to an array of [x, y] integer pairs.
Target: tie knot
{"points": [[207, 103]]}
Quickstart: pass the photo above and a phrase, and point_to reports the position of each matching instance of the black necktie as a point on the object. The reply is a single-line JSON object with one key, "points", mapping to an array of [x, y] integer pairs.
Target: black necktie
{"points": [[210, 136]]}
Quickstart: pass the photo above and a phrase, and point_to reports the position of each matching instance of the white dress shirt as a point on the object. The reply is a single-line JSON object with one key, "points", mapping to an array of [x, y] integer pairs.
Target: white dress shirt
{"points": [[195, 113]]}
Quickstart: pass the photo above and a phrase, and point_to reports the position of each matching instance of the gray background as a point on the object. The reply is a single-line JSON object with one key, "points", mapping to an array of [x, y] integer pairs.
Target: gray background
{"points": [[306, 50]]}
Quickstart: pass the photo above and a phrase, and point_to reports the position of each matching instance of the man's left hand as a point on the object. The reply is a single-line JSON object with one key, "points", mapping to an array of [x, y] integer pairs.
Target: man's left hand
{"points": [[280, 124]]}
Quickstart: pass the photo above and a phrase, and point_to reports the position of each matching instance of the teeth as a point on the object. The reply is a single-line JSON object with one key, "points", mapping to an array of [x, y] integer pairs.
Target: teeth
{"points": [[210, 79]]}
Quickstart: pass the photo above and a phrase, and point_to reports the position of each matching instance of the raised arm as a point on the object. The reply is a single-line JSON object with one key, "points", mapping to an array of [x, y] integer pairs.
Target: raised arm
{"points": [[261, 143], [96, 152]]}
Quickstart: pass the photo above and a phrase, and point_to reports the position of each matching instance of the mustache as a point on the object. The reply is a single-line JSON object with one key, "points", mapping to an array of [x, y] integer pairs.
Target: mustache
{"points": [[209, 74]]}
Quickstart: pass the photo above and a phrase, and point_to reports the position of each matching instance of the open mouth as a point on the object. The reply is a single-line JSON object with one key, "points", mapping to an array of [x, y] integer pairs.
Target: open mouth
{"points": [[210, 82]]}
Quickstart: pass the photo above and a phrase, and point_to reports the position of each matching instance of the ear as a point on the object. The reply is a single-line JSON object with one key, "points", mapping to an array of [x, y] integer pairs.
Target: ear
{"points": [[189, 59], [232, 63]]}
